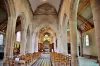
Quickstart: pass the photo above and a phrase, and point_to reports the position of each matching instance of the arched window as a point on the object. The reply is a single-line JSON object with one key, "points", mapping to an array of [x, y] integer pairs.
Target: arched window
{"points": [[1, 39], [1, 43], [87, 40], [46, 37], [18, 36]]}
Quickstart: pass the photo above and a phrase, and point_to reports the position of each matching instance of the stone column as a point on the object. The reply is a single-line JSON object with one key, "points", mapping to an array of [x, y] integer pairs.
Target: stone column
{"points": [[95, 4], [73, 31], [54, 40], [23, 40], [33, 43], [29, 41], [65, 46], [36, 44], [73, 35], [81, 46], [64, 37], [59, 47], [9, 42]]}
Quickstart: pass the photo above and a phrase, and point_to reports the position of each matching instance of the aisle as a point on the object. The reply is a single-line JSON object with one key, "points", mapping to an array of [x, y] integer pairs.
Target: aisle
{"points": [[44, 60]]}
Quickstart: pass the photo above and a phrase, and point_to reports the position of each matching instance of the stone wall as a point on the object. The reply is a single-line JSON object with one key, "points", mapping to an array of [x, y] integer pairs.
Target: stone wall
{"points": [[91, 49]]}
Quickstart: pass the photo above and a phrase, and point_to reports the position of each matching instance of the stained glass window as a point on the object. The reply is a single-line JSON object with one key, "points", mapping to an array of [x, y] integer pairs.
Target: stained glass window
{"points": [[46, 37]]}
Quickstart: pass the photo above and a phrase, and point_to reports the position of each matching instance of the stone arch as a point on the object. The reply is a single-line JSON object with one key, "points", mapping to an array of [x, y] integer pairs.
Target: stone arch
{"points": [[23, 29], [22, 17], [10, 8], [51, 33], [46, 30], [46, 24], [36, 31], [19, 26]]}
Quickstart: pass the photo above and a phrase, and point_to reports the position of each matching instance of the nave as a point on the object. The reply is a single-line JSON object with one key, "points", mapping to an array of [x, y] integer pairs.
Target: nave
{"points": [[61, 27], [44, 60]]}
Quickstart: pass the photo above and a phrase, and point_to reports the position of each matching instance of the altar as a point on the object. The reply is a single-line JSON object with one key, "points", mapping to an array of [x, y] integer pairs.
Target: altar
{"points": [[46, 46]]}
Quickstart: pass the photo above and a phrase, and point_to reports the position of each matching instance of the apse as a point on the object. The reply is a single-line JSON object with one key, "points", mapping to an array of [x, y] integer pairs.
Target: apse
{"points": [[46, 39]]}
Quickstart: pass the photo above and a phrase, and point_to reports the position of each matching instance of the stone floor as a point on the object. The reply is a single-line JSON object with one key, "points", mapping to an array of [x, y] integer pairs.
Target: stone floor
{"points": [[87, 62], [1, 63], [44, 60], [82, 62]]}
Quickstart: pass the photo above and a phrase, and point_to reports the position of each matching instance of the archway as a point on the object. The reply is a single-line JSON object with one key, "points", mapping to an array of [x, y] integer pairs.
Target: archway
{"points": [[46, 39], [3, 25], [37, 37], [17, 42]]}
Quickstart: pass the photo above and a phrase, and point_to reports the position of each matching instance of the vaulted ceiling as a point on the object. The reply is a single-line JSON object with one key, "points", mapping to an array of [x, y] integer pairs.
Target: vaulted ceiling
{"points": [[35, 3], [85, 17]]}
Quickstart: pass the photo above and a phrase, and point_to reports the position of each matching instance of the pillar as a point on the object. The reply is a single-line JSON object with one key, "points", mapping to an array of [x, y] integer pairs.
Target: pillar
{"points": [[36, 43], [59, 47], [65, 45], [33, 42], [64, 36], [63, 41], [81, 45], [29, 41], [73, 35], [23, 39], [9, 42], [73, 31], [95, 4], [54, 40]]}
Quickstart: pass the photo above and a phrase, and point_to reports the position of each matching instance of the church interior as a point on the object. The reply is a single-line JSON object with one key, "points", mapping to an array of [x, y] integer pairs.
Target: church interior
{"points": [[49, 32]]}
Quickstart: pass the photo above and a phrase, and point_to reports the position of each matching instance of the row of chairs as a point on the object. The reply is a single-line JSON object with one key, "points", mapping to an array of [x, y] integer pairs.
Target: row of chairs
{"points": [[59, 59], [27, 59], [30, 57]]}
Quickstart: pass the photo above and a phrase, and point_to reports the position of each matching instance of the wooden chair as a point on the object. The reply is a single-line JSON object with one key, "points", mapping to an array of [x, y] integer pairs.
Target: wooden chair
{"points": [[60, 60]]}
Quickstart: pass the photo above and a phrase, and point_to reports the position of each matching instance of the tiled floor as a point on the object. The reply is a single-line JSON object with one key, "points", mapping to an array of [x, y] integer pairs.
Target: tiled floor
{"points": [[87, 62]]}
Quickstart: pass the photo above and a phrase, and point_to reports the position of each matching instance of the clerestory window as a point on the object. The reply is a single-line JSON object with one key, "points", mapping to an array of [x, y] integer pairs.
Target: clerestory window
{"points": [[87, 40]]}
